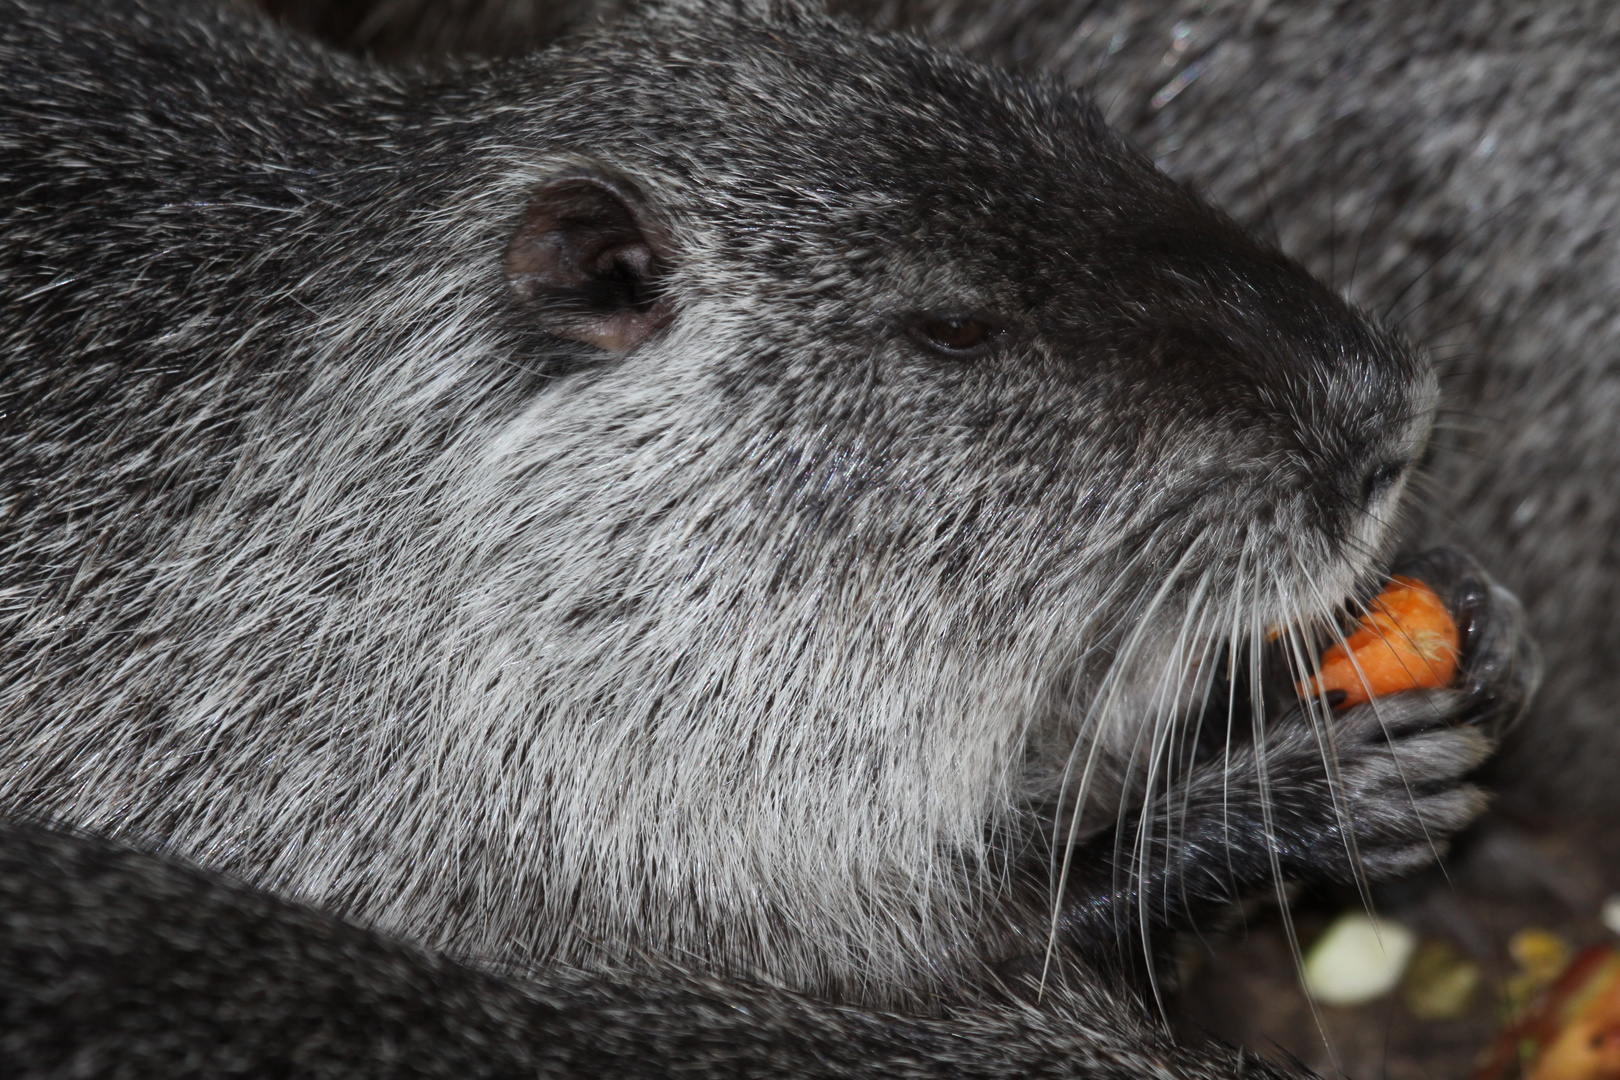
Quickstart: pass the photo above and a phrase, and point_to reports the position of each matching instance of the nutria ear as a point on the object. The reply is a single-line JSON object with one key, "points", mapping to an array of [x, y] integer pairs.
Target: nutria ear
{"points": [[589, 259]]}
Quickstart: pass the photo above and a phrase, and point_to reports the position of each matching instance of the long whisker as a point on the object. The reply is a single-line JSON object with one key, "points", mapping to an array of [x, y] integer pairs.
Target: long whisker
{"points": [[1205, 662], [1096, 722], [1320, 715], [1074, 751], [1241, 604], [1167, 698], [1269, 830]]}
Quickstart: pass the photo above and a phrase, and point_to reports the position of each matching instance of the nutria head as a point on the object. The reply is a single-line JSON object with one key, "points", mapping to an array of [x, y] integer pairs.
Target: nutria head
{"points": [[690, 489]]}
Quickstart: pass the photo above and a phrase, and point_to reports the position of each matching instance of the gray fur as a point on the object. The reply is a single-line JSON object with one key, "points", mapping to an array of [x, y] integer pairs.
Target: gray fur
{"points": [[771, 647], [174, 960]]}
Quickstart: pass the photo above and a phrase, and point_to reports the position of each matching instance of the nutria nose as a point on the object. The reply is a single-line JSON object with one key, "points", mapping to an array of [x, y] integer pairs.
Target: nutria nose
{"points": [[1380, 480]]}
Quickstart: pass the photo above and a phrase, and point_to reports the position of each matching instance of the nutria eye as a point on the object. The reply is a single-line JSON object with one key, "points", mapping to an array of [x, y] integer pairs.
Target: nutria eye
{"points": [[957, 335], [1381, 479]]}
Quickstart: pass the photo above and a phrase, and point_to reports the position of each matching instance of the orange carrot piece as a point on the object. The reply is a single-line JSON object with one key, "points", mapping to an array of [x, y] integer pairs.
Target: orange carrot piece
{"points": [[1406, 641]]}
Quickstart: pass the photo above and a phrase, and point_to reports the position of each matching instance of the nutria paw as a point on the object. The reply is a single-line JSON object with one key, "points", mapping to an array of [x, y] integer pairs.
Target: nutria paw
{"points": [[1381, 793], [1369, 793], [1500, 665], [1372, 792]]}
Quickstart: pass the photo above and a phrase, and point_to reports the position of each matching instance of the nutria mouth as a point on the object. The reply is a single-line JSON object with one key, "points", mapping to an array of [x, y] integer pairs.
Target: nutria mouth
{"points": [[1244, 692]]}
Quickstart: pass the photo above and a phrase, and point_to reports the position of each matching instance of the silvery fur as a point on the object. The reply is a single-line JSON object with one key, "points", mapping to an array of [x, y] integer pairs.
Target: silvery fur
{"points": [[778, 646]]}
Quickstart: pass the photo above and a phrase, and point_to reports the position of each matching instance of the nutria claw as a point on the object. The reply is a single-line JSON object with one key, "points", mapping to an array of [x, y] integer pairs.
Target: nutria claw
{"points": [[1500, 665]]}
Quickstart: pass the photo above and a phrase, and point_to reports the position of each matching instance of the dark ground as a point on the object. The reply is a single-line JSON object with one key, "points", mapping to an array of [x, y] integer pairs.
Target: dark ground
{"points": [[1503, 877]]}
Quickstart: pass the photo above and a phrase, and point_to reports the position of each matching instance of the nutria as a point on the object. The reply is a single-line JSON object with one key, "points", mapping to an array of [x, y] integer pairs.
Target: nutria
{"points": [[735, 492]]}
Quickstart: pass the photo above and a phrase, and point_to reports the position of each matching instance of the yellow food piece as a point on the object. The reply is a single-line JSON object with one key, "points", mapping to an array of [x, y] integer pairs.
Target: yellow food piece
{"points": [[1439, 984], [1540, 954]]}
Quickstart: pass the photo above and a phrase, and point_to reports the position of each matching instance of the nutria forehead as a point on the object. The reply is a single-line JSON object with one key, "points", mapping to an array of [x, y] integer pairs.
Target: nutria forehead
{"points": [[809, 121], [804, 149]]}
